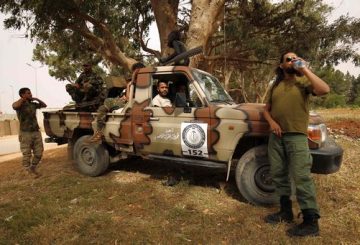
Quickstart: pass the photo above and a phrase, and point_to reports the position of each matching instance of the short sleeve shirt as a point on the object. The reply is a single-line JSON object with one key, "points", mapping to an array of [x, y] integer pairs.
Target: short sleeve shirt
{"points": [[289, 103], [27, 116], [161, 101]]}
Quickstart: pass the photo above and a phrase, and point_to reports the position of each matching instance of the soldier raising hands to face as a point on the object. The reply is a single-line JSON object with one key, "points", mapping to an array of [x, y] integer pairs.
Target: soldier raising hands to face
{"points": [[31, 144]]}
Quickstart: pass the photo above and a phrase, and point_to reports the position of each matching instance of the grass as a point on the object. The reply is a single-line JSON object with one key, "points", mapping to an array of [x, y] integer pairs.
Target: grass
{"points": [[339, 113], [129, 205]]}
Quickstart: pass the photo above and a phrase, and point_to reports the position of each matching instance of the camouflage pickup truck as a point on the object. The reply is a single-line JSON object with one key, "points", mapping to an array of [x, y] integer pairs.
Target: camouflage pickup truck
{"points": [[204, 127]]}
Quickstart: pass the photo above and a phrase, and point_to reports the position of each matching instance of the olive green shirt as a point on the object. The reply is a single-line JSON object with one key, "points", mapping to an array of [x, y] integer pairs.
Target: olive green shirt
{"points": [[289, 102], [27, 116]]}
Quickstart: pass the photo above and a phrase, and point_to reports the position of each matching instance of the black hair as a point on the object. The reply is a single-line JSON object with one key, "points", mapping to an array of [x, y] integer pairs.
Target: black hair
{"points": [[280, 75], [173, 36], [137, 65], [23, 91], [158, 83]]}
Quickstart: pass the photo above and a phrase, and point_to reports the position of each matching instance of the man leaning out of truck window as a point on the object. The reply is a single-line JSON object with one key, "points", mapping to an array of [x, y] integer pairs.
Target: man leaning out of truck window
{"points": [[161, 99]]}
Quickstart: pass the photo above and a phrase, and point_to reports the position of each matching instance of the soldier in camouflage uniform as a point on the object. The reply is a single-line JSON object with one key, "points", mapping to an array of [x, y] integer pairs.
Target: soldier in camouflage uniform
{"points": [[29, 135], [87, 87], [109, 105]]}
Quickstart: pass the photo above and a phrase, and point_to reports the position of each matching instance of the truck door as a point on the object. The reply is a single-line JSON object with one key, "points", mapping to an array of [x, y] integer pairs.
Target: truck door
{"points": [[175, 130]]}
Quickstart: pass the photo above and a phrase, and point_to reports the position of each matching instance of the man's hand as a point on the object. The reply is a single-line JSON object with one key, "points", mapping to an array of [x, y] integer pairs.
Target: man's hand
{"points": [[42, 103], [275, 128], [123, 98]]}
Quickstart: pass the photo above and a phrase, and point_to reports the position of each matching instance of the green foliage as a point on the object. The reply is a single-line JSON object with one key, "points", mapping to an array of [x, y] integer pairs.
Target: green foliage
{"points": [[354, 91], [338, 81], [334, 100], [249, 42], [340, 85], [62, 30], [257, 32], [261, 31]]}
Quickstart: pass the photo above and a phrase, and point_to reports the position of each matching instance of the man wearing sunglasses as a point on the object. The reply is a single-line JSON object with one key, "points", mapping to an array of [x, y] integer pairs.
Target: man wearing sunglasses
{"points": [[287, 112]]}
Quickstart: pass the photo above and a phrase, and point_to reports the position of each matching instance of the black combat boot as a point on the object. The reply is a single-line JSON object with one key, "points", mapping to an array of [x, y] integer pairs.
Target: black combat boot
{"points": [[284, 215], [309, 226]]}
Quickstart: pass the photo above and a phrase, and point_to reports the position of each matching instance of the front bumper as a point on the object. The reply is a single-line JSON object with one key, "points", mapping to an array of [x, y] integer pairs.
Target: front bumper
{"points": [[327, 159]]}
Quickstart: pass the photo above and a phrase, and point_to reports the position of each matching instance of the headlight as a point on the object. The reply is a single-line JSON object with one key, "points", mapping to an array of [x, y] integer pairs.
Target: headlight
{"points": [[317, 135]]}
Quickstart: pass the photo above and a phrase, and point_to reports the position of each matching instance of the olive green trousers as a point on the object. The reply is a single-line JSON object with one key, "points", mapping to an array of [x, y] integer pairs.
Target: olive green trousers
{"points": [[289, 155]]}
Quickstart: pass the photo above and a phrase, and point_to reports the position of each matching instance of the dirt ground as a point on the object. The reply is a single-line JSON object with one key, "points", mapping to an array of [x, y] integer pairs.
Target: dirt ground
{"points": [[348, 127], [129, 204], [342, 121]]}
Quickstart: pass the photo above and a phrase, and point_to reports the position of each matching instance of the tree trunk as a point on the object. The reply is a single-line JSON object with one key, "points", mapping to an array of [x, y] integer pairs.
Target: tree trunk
{"points": [[227, 77], [206, 17], [166, 20]]}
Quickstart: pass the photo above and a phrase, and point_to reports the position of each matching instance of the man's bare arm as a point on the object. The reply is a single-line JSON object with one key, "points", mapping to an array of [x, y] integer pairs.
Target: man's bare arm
{"points": [[17, 104], [42, 103]]}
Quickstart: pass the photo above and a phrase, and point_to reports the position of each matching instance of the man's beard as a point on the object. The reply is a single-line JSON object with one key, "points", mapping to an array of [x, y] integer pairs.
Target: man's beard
{"points": [[292, 71]]}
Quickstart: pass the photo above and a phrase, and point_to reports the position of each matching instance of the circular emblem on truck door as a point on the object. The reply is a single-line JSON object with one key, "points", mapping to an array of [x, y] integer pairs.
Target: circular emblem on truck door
{"points": [[193, 136]]}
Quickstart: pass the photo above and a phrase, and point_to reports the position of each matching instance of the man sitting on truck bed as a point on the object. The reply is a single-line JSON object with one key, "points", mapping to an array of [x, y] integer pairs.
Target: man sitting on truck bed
{"points": [[87, 87], [109, 105]]}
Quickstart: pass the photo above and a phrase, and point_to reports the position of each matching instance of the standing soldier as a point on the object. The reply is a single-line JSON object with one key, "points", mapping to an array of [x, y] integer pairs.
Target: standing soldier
{"points": [[87, 87], [29, 135], [287, 112]]}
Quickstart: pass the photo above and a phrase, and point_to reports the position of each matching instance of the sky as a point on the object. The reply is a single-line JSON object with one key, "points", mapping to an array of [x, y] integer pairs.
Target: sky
{"points": [[16, 54]]}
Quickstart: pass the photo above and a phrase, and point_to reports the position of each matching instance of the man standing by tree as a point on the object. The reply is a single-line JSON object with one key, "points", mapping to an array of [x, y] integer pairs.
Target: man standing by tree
{"points": [[287, 112], [86, 87], [29, 135]]}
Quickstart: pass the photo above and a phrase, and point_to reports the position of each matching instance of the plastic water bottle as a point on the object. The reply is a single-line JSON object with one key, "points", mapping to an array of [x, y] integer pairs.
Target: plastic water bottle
{"points": [[299, 64]]}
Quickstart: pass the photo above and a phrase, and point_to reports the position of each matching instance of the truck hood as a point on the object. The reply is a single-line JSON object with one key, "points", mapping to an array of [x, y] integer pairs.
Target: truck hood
{"points": [[255, 112]]}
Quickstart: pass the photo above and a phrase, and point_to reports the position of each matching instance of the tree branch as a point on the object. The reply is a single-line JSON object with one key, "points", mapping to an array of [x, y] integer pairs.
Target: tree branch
{"points": [[139, 37]]}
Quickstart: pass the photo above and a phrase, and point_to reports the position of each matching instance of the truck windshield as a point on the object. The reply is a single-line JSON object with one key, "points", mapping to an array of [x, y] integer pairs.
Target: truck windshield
{"points": [[212, 88]]}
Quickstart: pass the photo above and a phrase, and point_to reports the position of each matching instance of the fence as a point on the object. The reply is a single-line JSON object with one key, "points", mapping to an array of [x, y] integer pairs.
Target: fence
{"points": [[9, 127]]}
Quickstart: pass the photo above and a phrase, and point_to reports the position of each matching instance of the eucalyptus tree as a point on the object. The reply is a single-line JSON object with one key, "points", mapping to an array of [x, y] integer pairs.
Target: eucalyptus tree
{"points": [[254, 34], [108, 31], [241, 39]]}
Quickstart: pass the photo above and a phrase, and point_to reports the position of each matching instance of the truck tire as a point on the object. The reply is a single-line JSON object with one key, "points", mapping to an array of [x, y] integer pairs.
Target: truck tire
{"points": [[90, 159], [253, 178]]}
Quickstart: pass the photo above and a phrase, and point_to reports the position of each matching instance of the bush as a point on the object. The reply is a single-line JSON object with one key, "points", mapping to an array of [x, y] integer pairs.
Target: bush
{"points": [[357, 102], [334, 100]]}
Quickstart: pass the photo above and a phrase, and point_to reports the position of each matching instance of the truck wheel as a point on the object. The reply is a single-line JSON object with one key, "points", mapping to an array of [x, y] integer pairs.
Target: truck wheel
{"points": [[91, 159], [253, 177]]}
